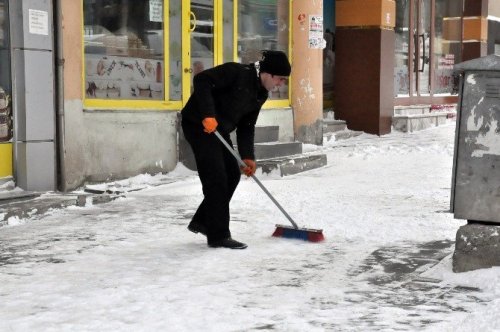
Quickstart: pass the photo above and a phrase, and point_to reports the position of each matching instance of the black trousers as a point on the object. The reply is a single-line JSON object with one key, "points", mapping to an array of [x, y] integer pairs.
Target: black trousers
{"points": [[219, 174]]}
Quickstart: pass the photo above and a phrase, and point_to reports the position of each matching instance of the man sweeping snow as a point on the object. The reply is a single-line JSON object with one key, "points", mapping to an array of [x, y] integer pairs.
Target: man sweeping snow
{"points": [[226, 98]]}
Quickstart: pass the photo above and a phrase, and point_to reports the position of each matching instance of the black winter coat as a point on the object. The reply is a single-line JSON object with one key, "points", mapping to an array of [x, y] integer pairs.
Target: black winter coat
{"points": [[233, 94]]}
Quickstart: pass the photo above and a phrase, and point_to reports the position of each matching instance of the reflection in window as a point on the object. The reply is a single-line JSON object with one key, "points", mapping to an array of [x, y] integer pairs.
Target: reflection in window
{"points": [[263, 25], [402, 33], [5, 81], [123, 42], [447, 44], [175, 49], [228, 31]]}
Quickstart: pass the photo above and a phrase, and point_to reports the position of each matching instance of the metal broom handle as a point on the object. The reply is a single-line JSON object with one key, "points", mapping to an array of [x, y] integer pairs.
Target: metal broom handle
{"points": [[242, 163]]}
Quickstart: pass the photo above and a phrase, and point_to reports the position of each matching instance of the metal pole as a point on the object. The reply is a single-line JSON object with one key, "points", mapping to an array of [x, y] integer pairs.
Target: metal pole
{"points": [[242, 163], [60, 94]]}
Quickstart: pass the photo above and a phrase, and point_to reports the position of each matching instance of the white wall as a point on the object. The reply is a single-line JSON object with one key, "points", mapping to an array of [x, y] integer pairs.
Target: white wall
{"points": [[106, 145], [282, 117]]}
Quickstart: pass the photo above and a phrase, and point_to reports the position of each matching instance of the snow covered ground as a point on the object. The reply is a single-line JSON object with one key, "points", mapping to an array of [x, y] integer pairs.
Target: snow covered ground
{"points": [[131, 265]]}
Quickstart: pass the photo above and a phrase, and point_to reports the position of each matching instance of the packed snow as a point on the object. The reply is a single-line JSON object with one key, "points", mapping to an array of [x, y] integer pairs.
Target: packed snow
{"points": [[131, 264]]}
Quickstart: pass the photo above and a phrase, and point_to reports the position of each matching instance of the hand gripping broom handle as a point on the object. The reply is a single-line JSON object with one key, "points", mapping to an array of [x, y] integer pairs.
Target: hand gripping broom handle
{"points": [[255, 178]]}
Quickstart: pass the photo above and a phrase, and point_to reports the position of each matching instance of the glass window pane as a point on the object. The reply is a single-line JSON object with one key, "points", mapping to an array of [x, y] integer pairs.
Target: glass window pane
{"points": [[5, 76], [123, 42], [263, 25], [228, 31], [447, 44], [175, 50], [423, 41], [202, 36], [402, 31], [4, 46]]}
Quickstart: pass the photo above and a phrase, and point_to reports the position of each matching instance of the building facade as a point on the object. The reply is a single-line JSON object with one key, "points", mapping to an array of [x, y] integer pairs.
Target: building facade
{"points": [[95, 86]]}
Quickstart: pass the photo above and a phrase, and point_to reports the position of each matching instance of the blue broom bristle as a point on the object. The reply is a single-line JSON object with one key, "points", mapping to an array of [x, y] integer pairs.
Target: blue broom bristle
{"points": [[301, 234]]}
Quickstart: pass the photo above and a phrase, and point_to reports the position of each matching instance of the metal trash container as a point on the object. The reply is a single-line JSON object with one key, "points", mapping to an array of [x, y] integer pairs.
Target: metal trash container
{"points": [[475, 193]]}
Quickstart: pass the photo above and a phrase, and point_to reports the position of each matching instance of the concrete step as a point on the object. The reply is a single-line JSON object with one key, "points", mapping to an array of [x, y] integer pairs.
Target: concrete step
{"points": [[415, 122], [412, 109], [277, 149], [332, 125], [292, 164], [344, 134], [263, 134]]}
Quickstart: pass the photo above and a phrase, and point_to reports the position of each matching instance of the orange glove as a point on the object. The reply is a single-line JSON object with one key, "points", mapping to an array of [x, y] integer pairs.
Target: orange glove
{"points": [[249, 170], [209, 125]]}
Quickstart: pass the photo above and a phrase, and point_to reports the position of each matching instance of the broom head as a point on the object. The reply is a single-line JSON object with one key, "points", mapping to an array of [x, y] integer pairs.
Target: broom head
{"points": [[306, 234]]}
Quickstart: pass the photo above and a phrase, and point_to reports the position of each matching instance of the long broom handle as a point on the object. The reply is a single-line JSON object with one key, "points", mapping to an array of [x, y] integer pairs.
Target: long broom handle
{"points": [[242, 163]]}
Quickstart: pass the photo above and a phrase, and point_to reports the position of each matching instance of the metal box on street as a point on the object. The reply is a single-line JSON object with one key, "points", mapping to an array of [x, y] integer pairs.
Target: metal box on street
{"points": [[476, 166]]}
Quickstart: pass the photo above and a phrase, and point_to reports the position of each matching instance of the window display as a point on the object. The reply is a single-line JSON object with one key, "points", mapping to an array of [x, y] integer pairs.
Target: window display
{"points": [[447, 45], [402, 42], [124, 49], [3, 20], [5, 77], [263, 25]]}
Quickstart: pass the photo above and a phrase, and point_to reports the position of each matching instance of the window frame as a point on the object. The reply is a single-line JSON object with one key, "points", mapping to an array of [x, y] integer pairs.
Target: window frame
{"points": [[166, 104], [134, 104]]}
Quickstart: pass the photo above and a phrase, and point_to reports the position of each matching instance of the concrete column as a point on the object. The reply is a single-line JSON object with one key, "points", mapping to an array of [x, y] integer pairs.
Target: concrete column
{"points": [[307, 75], [475, 29], [364, 64]]}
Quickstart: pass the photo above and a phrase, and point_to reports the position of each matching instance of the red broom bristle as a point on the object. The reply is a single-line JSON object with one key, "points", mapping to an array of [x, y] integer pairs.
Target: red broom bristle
{"points": [[278, 232], [315, 236]]}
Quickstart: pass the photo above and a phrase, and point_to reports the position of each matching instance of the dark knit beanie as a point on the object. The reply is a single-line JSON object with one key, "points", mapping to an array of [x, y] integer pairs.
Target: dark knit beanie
{"points": [[275, 63]]}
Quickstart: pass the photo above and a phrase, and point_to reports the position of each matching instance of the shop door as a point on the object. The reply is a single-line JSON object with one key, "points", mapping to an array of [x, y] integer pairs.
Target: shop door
{"points": [[427, 46], [202, 38], [421, 48], [412, 49]]}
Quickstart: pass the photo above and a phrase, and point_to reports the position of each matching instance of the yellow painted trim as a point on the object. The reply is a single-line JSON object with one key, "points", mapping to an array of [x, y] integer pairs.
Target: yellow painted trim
{"points": [[276, 103], [166, 49], [235, 30], [6, 168], [149, 105], [218, 32], [186, 50]]}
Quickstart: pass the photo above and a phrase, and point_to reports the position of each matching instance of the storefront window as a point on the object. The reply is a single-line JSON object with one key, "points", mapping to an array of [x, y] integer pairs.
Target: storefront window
{"points": [[263, 25], [402, 32], [228, 31], [124, 49], [447, 44], [5, 77], [174, 49]]}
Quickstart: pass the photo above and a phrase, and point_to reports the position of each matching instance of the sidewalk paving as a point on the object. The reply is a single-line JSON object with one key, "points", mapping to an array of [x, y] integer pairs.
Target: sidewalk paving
{"points": [[130, 264]]}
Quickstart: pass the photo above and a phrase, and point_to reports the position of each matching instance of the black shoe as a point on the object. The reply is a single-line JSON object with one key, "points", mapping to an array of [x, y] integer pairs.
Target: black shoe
{"points": [[197, 228], [227, 243]]}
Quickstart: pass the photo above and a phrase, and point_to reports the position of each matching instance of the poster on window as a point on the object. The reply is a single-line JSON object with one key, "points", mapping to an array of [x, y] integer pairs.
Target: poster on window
{"points": [[156, 10], [316, 32], [110, 77]]}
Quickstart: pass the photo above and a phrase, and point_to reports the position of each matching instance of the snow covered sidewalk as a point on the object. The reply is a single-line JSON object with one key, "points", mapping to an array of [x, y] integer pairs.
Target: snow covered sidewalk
{"points": [[131, 265]]}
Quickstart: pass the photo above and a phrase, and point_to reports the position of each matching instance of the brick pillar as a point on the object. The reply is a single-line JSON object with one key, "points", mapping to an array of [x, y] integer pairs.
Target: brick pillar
{"points": [[364, 64], [307, 75]]}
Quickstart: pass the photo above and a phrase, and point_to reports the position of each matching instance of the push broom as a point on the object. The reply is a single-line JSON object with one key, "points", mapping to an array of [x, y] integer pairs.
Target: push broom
{"points": [[293, 232]]}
